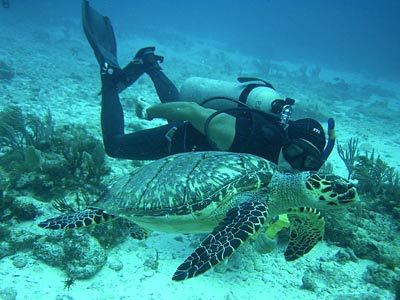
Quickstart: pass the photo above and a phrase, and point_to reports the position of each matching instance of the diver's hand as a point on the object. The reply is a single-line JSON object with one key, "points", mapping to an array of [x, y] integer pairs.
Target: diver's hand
{"points": [[141, 109], [146, 115]]}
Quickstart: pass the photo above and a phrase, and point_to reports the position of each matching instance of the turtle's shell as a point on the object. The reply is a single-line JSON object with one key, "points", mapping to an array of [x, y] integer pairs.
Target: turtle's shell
{"points": [[185, 183]]}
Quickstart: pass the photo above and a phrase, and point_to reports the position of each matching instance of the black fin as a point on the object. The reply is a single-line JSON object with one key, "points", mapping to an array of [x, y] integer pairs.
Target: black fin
{"points": [[100, 34]]}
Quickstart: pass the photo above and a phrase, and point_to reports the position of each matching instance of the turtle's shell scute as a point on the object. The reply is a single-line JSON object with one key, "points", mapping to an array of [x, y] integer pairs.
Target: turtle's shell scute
{"points": [[184, 183]]}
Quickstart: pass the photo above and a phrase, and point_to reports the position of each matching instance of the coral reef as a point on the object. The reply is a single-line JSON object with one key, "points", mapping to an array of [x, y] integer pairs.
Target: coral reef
{"points": [[39, 163], [369, 230], [376, 180], [383, 277], [349, 154], [375, 177], [4, 183], [25, 208], [18, 130], [111, 234], [46, 161], [367, 235], [79, 254]]}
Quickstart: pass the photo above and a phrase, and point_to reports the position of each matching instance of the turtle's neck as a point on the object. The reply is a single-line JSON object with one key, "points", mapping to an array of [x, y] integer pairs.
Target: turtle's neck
{"points": [[287, 190]]}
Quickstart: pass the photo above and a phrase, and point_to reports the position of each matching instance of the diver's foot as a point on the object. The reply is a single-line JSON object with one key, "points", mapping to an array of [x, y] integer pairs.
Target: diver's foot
{"points": [[148, 59], [113, 73], [144, 61]]}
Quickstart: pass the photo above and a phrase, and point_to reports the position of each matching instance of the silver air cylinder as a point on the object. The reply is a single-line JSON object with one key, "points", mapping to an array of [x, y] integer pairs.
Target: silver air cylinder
{"points": [[198, 89]]}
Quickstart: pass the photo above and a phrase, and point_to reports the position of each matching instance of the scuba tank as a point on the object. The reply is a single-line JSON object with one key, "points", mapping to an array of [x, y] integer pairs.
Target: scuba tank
{"points": [[253, 92]]}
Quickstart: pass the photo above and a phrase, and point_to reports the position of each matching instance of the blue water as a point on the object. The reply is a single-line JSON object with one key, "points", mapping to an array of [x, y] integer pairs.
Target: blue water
{"points": [[354, 35]]}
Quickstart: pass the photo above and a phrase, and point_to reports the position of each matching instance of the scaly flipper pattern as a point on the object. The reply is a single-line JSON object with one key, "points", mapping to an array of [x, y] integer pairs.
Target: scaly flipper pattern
{"points": [[239, 224], [78, 219], [306, 230]]}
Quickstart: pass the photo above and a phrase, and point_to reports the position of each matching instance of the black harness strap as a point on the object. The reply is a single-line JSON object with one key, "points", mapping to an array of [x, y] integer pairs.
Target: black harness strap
{"points": [[247, 90], [251, 86]]}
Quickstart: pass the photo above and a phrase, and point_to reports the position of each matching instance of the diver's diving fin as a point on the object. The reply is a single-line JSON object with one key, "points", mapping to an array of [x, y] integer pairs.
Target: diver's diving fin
{"points": [[100, 34]]}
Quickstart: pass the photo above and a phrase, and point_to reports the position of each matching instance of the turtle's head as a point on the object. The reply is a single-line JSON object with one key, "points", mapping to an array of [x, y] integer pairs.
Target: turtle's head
{"points": [[330, 191]]}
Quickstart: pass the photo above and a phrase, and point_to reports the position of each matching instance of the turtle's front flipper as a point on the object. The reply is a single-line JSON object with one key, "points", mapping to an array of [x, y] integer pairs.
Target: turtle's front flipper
{"points": [[306, 230], [240, 223], [78, 219]]}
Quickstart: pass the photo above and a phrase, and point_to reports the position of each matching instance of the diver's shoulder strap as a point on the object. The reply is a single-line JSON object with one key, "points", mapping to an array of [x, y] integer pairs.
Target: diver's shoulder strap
{"points": [[247, 79]]}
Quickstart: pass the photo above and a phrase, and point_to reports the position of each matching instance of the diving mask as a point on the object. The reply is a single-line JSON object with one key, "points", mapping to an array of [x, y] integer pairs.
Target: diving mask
{"points": [[302, 155]]}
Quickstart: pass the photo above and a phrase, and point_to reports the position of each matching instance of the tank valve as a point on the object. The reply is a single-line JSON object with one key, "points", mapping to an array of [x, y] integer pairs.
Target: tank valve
{"points": [[286, 111]]}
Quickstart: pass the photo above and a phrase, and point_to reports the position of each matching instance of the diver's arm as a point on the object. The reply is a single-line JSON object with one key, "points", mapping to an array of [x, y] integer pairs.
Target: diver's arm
{"points": [[221, 128]]}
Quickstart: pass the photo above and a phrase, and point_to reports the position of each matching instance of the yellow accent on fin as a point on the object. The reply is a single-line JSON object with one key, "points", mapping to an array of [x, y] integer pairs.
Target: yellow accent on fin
{"points": [[278, 225]]}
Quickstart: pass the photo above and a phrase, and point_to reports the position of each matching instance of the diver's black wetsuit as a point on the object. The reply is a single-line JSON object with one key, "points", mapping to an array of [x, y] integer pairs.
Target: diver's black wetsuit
{"points": [[259, 136]]}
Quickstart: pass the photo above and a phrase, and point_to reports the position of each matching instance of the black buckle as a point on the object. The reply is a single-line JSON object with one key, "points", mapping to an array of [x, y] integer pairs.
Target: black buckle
{"points": [[169, 136]]}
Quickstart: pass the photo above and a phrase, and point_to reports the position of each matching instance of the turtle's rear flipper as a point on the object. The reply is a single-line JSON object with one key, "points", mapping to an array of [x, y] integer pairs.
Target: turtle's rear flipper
{"points": [[306, 230], [78, 219], [240, 223]]}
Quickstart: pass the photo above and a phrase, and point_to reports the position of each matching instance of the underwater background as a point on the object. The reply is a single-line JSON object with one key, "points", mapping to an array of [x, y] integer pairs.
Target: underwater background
{"points": [[345, 34], [338, 59]]}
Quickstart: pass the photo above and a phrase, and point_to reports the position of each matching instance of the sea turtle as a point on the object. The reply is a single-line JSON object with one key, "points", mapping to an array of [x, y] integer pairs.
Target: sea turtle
{"points": [[231, 196]]}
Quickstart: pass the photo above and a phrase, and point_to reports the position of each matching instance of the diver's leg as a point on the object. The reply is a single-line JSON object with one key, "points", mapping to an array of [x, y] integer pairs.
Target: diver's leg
{"points": [[146, 61], [137, 67], [166, 90], [149, 61], [112, 115], [148, 144], [143, 144]]}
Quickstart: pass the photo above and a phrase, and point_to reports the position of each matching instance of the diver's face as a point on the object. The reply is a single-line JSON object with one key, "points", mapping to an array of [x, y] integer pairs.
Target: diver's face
{"points": [[283, 164]]}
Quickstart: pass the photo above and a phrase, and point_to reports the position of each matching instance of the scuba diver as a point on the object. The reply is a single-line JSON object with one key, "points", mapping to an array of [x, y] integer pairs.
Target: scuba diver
{"points": [[237, 121]]}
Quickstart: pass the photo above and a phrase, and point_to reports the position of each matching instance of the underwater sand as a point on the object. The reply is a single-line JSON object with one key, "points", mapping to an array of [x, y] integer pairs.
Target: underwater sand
{"points": [[272, 279], [62, 74]]}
